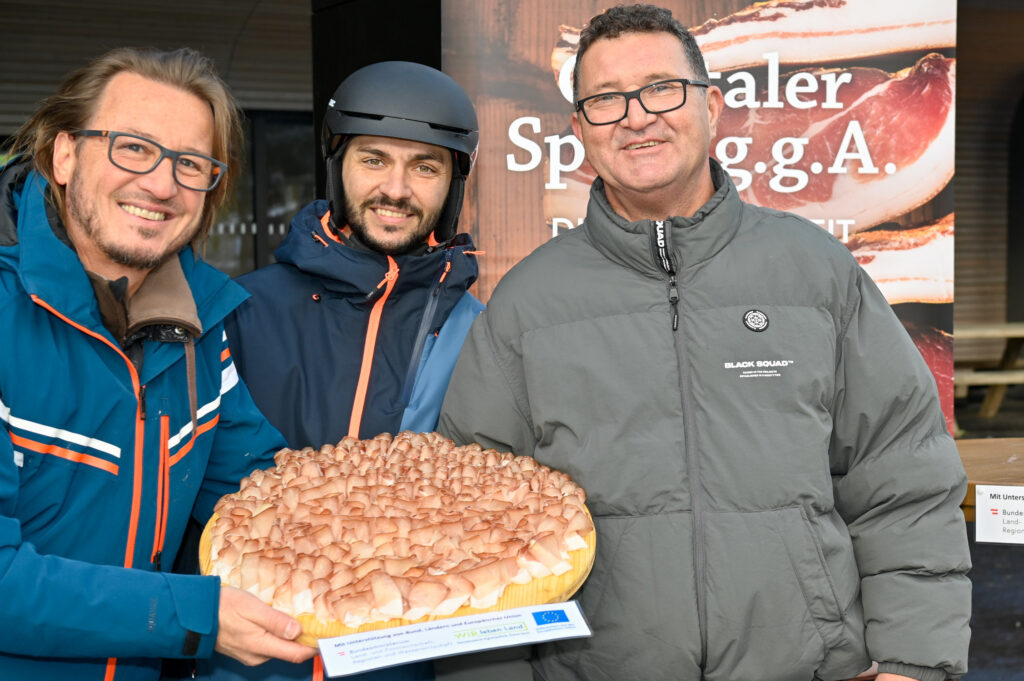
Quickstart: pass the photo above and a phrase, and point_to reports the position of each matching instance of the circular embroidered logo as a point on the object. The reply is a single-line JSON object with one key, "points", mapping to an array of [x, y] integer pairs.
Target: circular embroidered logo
{"points": [[755, 320]]}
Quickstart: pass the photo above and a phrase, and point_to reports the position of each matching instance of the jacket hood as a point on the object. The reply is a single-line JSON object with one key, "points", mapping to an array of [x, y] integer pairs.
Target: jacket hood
{"points": [[692, 240], [12, 179], [343, 269]]}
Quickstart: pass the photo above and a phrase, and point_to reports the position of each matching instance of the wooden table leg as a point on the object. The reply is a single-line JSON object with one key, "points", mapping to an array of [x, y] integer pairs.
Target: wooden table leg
{"points": [[995, 393]]}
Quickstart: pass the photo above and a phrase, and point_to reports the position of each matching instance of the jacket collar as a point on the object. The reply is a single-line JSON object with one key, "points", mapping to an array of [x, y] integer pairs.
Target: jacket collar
{"points": [[691, 240], [347, 270], [184, 291], [163, 299]]}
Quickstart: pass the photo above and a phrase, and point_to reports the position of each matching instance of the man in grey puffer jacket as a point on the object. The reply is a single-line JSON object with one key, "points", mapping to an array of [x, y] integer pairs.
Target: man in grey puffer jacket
{"points": [[775, 492]]}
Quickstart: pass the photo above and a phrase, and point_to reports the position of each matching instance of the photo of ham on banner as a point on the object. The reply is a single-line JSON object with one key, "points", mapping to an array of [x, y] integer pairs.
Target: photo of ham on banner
{"points": [[841, 111]]}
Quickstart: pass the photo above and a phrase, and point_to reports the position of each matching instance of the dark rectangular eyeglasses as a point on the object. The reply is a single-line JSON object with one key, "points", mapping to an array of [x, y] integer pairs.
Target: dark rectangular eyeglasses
{"points": [[141, 155], [663, 96]]}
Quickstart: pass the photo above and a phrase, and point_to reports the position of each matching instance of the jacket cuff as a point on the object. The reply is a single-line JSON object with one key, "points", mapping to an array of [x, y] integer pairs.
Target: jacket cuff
{"points": [[197, 602], [914, 672]]}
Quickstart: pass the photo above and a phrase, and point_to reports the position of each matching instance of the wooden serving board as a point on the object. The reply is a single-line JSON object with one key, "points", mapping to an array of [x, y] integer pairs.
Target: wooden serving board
{"points": [[550, 589]]}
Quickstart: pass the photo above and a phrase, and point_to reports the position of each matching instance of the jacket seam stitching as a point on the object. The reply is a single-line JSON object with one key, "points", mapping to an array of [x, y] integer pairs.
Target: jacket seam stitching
{"points": [[500, 363]]}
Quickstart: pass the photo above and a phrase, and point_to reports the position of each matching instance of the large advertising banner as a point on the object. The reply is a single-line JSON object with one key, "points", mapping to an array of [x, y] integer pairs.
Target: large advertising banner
{"points": [[841, 111]]}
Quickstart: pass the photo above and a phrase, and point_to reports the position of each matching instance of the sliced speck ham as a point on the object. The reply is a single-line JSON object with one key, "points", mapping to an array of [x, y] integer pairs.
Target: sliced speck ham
{"points": [[375, 533]]}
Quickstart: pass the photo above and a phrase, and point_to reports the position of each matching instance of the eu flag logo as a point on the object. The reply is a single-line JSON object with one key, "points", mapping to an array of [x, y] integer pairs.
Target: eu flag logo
{"points": [[550, 617]]}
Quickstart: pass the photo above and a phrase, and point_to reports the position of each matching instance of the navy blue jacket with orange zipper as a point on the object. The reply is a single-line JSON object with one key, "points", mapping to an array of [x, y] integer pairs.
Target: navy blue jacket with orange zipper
{"points": [[340, 341], [103, 457]]}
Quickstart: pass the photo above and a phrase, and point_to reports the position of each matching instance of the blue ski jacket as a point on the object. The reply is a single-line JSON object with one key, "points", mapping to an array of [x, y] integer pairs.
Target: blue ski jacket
{"points": [[103, 458]]}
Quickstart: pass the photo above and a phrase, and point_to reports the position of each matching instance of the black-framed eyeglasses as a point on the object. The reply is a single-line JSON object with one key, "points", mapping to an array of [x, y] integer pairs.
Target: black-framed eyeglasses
{"points": [[660, 97], [141, 155]]}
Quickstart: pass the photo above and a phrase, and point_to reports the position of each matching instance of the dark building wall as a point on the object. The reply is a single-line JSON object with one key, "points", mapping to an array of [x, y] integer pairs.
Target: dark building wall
{"points": [[1015, 217], [990, 82], [350, 34]]}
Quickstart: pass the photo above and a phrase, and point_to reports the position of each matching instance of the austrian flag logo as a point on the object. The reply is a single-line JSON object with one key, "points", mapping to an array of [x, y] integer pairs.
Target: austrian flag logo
{"points": [[755, 320]]}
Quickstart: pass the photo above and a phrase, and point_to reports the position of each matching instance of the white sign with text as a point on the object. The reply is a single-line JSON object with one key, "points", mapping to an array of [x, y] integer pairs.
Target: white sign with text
{"points": [[370, 650], [999, 514]]}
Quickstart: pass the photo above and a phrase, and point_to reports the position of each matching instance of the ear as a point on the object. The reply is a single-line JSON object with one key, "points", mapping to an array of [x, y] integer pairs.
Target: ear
{"points": [[64, 158], [715, 104], [576, 125]]}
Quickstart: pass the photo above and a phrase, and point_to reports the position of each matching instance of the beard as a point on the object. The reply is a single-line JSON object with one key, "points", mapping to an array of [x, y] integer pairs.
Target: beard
{"points": [[82, 212], [407, 243]]}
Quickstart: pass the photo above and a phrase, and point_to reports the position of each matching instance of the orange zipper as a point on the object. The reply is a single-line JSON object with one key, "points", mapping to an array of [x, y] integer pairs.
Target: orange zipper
{"points": [[359, 401], [163, 492]]}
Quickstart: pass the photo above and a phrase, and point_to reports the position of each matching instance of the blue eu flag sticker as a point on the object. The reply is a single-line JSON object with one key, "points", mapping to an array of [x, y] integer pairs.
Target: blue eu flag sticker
{"points": [[550, 617]]}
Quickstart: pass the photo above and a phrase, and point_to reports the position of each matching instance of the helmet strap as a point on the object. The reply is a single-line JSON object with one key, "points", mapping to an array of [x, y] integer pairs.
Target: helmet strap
{"points": [[448, 221], [335, 190]]}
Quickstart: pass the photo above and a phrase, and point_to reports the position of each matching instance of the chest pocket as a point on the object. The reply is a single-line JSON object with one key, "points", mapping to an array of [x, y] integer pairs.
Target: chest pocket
{"points": [[762, 386]]}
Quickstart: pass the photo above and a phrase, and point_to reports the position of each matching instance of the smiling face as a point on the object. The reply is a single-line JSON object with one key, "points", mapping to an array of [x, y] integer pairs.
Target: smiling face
{"points": [[122, 223], [394, 190], [653, 165]]}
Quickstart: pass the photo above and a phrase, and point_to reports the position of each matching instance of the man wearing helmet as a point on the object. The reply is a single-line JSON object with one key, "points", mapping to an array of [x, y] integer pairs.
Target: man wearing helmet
{"points": [[356, 328], [353, 331]]}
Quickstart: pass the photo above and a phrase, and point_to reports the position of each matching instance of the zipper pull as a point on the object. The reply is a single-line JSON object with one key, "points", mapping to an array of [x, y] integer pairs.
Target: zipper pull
{"points": [[377, 292], [142, 402], [389, 276], [663, 257], [374, 294], [673, 299]]}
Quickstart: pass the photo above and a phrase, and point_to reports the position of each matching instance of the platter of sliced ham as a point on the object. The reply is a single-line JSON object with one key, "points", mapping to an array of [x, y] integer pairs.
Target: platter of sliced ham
{"points": [[371, 534]]}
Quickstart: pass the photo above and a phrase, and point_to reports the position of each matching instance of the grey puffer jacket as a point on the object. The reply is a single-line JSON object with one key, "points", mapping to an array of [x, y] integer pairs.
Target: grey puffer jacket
{"points": [[775, 492]]}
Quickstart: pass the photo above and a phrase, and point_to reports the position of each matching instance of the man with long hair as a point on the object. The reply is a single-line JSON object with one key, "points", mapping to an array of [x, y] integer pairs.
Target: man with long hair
{"points": [[121, 407]]}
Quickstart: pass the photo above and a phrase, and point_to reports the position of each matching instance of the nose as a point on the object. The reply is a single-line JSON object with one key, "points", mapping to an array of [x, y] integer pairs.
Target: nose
{"points": [[396, 184], [160, 181], [637, 117]]}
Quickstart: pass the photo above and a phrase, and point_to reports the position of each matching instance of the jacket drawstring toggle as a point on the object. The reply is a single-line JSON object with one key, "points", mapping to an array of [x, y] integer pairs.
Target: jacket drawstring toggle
{"points": [[391, 275]]}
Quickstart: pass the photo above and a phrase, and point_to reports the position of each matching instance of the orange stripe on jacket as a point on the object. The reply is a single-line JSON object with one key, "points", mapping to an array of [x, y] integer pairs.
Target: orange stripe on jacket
{"points": [[359, 401], [70, 455], [187, 447]]}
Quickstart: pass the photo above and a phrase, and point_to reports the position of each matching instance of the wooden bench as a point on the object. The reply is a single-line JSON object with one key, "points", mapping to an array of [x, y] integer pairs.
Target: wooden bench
{"points": [[990, 461], [1003, 374]]}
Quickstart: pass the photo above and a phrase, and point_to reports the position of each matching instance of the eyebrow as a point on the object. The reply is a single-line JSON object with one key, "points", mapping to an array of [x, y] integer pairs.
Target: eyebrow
{"points": [[437, 156], [432, 156], [609, 86], [141, 133]]}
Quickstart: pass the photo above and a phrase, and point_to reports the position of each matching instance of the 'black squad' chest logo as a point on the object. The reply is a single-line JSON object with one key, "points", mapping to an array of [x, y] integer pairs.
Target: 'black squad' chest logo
{"points": [[755, 320]]}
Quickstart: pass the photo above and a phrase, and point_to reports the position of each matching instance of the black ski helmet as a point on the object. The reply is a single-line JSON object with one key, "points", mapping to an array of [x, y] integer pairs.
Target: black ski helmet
{"points": [[408, 101]]}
